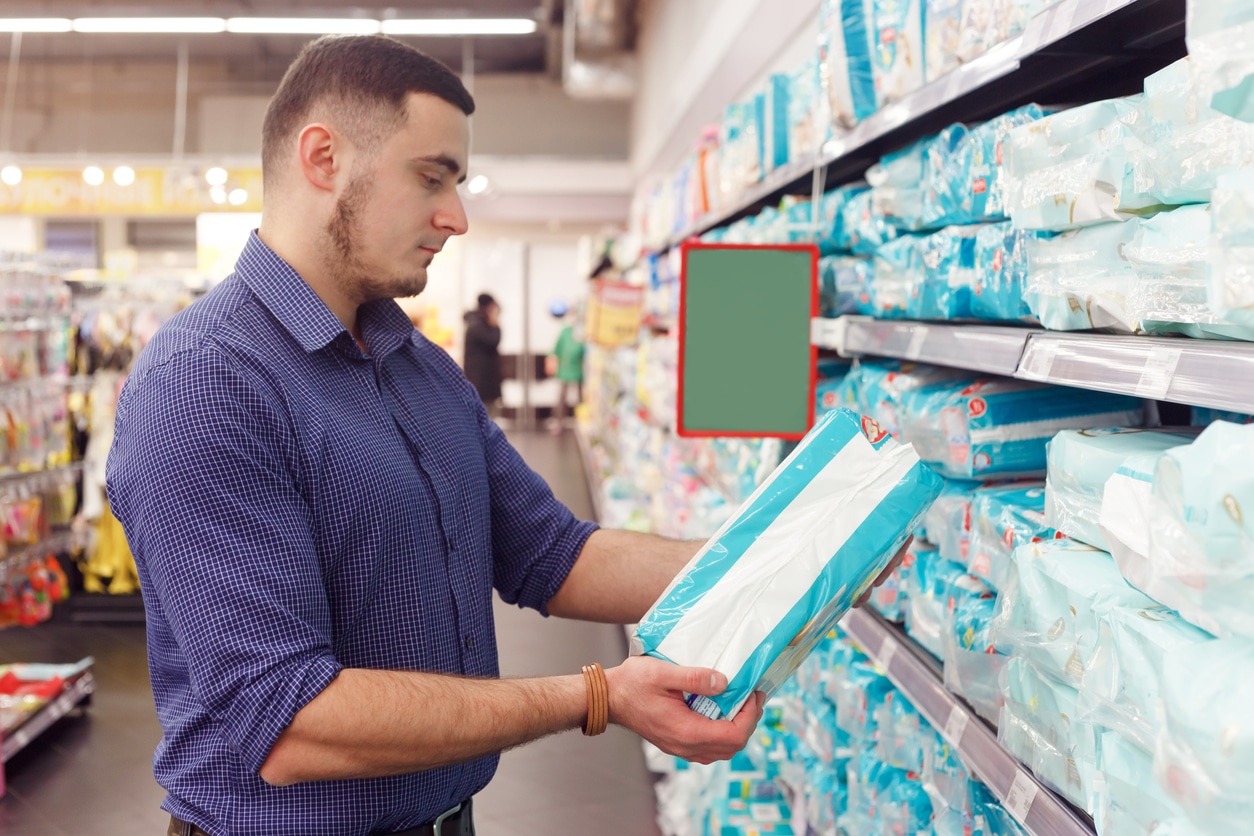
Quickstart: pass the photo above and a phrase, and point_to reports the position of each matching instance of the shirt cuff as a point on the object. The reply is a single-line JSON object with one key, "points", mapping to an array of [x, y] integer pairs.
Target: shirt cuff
{"points": [[273, 709], [548, 575]]}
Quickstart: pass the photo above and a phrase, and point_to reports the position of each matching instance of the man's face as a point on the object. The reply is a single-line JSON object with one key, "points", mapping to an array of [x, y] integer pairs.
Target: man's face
{"points": [[401, 205]]}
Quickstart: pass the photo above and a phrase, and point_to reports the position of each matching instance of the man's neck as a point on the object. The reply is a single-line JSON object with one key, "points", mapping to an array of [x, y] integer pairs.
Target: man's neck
{"points": [[305, 259]]}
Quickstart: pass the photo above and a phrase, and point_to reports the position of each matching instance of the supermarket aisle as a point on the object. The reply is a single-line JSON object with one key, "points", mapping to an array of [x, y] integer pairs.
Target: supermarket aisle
{"points": [[92, 774]]}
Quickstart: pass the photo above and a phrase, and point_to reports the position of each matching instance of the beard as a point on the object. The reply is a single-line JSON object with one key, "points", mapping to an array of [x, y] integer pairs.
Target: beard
{"points": [[343, 257]]}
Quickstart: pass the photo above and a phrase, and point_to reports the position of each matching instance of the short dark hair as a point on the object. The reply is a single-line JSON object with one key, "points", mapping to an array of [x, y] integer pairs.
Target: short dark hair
{"points": [[484, 300], [366, 78]]}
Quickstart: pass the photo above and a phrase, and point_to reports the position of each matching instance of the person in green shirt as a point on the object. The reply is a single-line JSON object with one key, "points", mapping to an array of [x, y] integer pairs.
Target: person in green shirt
{"points": [[565, 363]]}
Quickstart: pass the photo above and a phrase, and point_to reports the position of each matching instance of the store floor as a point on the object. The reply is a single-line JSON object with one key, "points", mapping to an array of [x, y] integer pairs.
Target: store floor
{"points": [[92, 773]]}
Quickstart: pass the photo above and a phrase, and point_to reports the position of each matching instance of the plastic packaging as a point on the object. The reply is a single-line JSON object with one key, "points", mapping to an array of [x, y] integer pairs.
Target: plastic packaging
{"points": [[1081, 462], [897, 52], [998, 428], [1047, 612], [1071, 169], [943, 290], [973, 666], [891, 599], [1221, 42], [983, 197], [1039, 726], [786, 567], [936, 587], [1081, 279], [898, 270], [1230, 273], [1128, 801], [845, 61], [1003, 518], [942, 28], [883, 384], [864, 229], [1001, 272], [842, 282], [1205, 756]]}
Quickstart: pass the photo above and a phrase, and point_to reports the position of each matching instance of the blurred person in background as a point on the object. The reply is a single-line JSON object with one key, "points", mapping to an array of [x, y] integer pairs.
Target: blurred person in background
{"points": [[565, 363], [482, 361]]}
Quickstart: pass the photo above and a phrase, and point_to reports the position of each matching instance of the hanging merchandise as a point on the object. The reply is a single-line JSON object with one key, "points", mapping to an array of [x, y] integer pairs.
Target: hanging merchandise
{"points": [[868, 491]]}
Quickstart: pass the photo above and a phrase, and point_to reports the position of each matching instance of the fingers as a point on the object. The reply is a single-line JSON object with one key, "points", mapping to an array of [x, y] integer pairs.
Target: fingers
{"points": [[704, 681]]}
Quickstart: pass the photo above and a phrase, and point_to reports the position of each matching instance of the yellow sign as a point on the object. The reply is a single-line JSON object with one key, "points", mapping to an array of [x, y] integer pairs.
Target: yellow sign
{"points": [[174, 190], [614, 311]]}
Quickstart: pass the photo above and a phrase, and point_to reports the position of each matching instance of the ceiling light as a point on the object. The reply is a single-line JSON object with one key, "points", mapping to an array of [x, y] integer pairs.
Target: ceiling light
{"points": [[302, 26], [460, 26], [93, 176], [124, 175], [161, 25], [238, 197], [11, 175], [216, 176], [218, 195], [477, 185], [34, 24]]}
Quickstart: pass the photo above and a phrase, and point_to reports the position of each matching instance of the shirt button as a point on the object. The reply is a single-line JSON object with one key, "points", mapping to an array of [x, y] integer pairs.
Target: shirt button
{"points": [[469, 642]]}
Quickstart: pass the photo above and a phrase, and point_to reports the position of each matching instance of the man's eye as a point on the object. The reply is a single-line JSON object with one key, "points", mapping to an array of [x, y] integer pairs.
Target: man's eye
{"points": [[431, 182]]}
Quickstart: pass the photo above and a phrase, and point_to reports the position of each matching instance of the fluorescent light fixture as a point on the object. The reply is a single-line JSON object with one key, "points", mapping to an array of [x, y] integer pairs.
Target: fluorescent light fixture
{"points": [[460, 26], [216, 176], [145, 25], [237, 197], [11, 175], [93, 176], [124, 175], [218, 195], [477, 185], [35, 24], [302, 26]]}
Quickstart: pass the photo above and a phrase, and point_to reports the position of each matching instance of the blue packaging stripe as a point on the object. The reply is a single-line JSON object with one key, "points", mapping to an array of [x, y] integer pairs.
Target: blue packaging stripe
{"points": [[827, 439], [882, 533]]}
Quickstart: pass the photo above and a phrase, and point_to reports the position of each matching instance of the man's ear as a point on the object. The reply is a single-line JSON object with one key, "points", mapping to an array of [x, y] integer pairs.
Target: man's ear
{"points": [[320, 152]]}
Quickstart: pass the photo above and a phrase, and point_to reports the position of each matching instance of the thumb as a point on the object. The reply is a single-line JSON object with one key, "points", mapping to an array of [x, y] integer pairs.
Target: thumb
{"points": [[704, 681]]}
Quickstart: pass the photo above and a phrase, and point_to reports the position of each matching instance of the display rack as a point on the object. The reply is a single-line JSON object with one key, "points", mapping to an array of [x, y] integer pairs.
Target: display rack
{"points": [[1180, 370], [918, 676], [77, 689], [589, 469], [1075, 49]]}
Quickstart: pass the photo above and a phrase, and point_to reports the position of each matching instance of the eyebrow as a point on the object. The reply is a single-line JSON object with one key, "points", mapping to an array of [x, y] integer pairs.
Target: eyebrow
{"points": [[444, 161]]}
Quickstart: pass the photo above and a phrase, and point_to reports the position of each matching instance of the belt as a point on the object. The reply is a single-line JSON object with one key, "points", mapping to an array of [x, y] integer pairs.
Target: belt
{"points": [[456, 821]]}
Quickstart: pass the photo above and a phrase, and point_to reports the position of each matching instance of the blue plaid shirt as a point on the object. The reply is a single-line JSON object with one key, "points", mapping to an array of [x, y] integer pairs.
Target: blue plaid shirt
{"points": [[297, 506]]}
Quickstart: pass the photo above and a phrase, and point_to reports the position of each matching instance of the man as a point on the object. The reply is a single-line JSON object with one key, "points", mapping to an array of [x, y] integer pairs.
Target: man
{"points": [[565, 364], [482, 360], [320, 508]]}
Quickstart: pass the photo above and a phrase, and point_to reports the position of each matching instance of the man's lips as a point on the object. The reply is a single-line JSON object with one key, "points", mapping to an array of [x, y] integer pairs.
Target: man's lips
{"points": [[432, 250]]}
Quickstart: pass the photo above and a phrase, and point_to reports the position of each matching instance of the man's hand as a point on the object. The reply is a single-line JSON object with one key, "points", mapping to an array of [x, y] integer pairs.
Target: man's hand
{"points": [[887, 573], [647, 696]]}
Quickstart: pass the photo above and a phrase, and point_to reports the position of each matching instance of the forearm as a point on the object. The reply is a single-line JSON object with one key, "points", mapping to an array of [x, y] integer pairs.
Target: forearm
{"points": [[618, 576], [370, 724]]}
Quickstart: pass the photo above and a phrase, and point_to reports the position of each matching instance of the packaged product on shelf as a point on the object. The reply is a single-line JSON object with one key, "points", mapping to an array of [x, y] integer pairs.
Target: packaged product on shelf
{"points": [[1204, 757], [864, 229], [890, 598], [834, 234], [808, 118], [948, 783], [1203, 416], [948, 521], [997, 428], [942, 28], [1122, 684], [1071, 169], [897, 270], [1081, 462], [1221, 44], [897, 186], [1168, 295], [1047, 612], [845, 61], [858, 690], [1127, 798], [884, 383], [836, 392], [884, 799], [1230, 278], [867, 491], [946, 177], [972, 664], [897, 51], [933, 589], [1001, 273], [1039, 726], [983, 187], [842, 282], [978, 28], [777, 125], [1003, 518], [1081, 279], [899, 738], [944, 288]]}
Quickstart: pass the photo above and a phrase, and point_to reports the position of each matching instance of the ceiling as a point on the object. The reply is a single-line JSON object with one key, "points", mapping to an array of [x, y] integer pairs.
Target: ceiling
{"points": [[263, 58]]}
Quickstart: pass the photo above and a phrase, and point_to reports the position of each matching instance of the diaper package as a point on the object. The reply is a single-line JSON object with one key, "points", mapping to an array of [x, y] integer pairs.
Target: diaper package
{"points": [[1123, 679], [1047, 612], [946, 178], [1221, 44], [845, 61], [778, 575], [943, 288], [1205, 755], [883, 384], [898, 191], [972, 665], [1230, 271], [898, 272], [843, 280], [942, 29], [891, 599], [998, 428], [865, 231], [948, 521], [897, 49], [1081, 462], [934, 589], [1001, 272], [984, 195], [1128, 801], [1039, 726], [1071, 169], [1081, 279], [1003, 518], [1204, 416]]}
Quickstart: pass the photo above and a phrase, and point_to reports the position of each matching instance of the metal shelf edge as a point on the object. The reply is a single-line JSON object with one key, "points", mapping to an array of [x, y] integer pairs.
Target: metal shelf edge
{"points": [[1047, 815], [589, 470], [38, 723]]}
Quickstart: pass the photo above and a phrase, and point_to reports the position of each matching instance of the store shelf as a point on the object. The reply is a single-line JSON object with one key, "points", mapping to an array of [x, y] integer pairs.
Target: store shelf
{"points": [[1077, 50], [1041, 811], [17, 739], [590, 470], [58, 542], [1181, 370], [17, 477]]}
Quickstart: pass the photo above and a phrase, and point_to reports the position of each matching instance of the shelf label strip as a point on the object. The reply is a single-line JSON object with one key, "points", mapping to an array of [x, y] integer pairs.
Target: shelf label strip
{"points": [[955, 726], [888, 649], [1022, 793], [1157, 374]]}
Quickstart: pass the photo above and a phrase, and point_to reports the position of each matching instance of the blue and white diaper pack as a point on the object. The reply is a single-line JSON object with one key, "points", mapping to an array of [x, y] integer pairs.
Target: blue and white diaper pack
{"points": [[1081, 279], [973, 667], [1003, 518], [782, 571]]}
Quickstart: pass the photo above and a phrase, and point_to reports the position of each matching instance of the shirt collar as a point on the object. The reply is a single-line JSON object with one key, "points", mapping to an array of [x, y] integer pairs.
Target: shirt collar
{"points": [[384, 326]]}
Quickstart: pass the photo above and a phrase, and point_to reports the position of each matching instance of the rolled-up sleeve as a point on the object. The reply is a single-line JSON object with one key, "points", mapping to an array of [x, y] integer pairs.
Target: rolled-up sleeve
{"points": [[199, 479], [535, 539]]}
